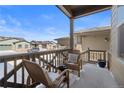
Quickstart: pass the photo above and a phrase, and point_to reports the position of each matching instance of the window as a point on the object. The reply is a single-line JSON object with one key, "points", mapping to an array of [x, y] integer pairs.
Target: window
{"points": [[121, 40], [121, 31], [26, 46], [19, 46]]}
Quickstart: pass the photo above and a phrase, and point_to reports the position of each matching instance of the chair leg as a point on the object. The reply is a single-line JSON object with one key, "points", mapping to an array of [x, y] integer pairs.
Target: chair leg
{"points": [[79, 72], [81, 65], [68, 79]]}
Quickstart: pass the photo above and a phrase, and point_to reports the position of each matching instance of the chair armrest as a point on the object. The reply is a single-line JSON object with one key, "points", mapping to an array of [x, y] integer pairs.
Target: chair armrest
{"points": [[72, 66], [62, 73], [62, 77], [48, 67]]}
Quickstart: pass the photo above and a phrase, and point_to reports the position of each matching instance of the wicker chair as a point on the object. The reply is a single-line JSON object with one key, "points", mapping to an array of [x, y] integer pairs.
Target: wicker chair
{"points": [[73, 61], [40, 75]]}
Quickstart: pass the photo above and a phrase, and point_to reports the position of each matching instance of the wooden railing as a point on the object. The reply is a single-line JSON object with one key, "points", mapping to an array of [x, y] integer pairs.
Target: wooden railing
{"points": [[15, 75], [92, 56]]}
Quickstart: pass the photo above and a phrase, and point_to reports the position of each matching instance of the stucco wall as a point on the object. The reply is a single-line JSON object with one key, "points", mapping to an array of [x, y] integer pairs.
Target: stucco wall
{"points": [[93, 42], [117, 65]]}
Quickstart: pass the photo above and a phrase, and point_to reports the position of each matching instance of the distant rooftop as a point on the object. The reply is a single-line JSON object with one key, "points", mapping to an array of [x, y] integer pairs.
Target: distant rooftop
{"points": [[91, 31], [105, 28], [2, 38], [62, 38], [43, 42]]}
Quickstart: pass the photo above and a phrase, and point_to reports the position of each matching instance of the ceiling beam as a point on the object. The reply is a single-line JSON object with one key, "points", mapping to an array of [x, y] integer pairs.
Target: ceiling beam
{"points": [[66, 10]]}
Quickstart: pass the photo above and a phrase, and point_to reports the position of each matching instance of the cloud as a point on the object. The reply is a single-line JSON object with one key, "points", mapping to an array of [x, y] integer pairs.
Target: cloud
{"points": [[47, 16], [51, 30], [105, 22], [2, 22], [14, 21]]}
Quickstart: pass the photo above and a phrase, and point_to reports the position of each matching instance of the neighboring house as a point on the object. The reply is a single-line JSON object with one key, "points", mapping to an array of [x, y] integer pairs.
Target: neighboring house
{"points": [[63, 42], [44, 45], [15, 44], [95, 38], [21, 46]]}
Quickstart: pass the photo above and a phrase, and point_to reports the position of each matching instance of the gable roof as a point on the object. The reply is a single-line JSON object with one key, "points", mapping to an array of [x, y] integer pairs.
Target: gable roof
{"points": [[20, 41]]}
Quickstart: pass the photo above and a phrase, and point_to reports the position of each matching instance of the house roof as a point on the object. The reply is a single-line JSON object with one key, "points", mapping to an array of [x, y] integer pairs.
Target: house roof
{"points": [[91, 31], [94, 31], [62, 38], [75, 11], [9, 38], [43, 42], [20, 41]]}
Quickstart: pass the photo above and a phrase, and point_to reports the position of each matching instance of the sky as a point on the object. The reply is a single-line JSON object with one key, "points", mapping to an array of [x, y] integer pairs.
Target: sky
{"points": [[44, 22]]}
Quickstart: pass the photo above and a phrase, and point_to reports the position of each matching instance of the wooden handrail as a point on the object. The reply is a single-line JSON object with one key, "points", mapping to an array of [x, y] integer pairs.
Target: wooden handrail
{"points": [[22, 55]]}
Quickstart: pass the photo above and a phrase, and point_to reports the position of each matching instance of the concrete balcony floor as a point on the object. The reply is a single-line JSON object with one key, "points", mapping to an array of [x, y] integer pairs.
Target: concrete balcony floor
{"points": [[93, 76]]}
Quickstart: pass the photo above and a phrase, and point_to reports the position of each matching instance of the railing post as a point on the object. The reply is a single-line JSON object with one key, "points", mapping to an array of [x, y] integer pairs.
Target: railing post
{"points": [[105, 55], [108, 60], [88, 55], [71, 33]]}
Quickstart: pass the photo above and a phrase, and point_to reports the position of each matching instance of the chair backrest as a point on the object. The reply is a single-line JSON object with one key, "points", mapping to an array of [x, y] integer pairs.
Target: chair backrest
{"points": [[37, 73], [73, 56]]}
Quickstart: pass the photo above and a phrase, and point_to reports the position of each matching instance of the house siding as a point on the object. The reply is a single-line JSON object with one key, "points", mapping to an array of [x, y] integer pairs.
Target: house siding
{"points": [[5, 47], [23, 49], [95, 43]]}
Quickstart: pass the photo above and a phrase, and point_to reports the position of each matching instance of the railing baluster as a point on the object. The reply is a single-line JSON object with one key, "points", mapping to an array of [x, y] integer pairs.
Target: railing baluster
{"points": [[15, 74], [55, 62], [5, 73], [52, 56], [23, 75], [44, 57], [59, 58], [39, 60]]}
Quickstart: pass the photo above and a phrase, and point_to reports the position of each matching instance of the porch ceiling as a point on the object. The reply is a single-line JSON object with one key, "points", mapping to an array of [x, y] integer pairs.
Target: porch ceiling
{"points": [[75, 11]]}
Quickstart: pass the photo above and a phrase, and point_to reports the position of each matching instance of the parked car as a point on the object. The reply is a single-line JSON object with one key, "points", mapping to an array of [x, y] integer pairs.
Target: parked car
{"points": [[33, 50]]}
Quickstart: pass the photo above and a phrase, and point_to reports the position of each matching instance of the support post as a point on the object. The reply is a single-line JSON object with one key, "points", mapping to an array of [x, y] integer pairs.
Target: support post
{"points": [[71, 33]]}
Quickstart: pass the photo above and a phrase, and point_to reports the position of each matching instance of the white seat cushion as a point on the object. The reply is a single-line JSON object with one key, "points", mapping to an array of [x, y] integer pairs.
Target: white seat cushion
{"points": [[53, 76]]}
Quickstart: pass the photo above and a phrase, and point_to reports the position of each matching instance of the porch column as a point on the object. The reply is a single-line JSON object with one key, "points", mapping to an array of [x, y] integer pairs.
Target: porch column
{"points": [[71, 33]]}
